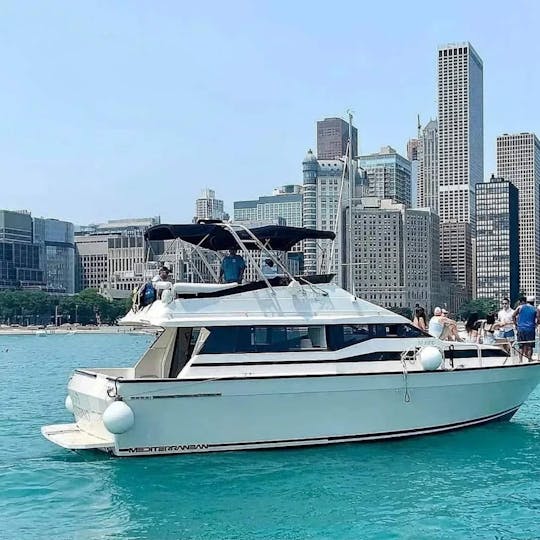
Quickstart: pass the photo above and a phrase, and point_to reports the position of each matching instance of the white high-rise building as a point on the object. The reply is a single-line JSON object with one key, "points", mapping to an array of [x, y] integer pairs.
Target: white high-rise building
{"points": [[321, 209], [461, 157], [518, 161], [396, 254], [208, 207]]}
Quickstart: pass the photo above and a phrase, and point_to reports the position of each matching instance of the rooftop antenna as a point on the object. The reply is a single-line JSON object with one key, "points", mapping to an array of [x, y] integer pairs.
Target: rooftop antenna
{"points": [[418, 126]]}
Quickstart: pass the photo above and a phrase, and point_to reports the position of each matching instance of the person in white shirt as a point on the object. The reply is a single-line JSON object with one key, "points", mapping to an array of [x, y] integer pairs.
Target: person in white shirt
{"points": [[505, 319], [436, 325], [442, 327], [163, 275]]}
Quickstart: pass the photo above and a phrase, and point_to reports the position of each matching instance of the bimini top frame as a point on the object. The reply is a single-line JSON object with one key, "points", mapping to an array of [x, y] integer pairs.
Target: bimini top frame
{"points": [[219, 236]]}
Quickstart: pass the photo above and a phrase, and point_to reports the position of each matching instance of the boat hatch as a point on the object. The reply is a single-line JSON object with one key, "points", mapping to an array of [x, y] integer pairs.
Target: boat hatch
{"points": [[71, 437]]}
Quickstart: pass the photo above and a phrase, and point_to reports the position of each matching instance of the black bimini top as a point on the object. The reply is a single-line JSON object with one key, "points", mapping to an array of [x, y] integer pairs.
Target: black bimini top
{"points": [[217, 238]]}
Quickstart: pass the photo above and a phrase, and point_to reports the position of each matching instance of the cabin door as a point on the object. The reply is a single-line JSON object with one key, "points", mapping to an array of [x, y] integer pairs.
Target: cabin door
{"points": [[181, 353]]}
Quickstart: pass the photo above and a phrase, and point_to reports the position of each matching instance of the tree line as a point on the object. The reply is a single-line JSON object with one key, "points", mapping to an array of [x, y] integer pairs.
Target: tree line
{"points": [[38, 307], [482, 306]]}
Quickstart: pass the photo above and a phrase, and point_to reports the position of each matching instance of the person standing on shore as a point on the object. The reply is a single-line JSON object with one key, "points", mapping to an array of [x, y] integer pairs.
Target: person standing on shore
{"points": [[526, 319]]}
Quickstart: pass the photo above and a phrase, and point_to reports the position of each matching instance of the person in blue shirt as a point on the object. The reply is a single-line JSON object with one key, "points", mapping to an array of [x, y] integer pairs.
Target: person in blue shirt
{"points": [[526, 320], [232, 268]]}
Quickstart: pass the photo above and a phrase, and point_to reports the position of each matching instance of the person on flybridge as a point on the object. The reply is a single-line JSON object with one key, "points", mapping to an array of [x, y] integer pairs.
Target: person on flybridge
{"points": [[162, 275], [232, 268]]}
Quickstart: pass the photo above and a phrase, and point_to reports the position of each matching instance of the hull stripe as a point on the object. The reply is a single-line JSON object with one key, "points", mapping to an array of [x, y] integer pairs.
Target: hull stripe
{"points": [[504, 415]]}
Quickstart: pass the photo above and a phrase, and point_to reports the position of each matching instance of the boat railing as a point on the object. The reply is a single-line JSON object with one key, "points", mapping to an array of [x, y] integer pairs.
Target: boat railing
{"points": [[516, 349], [260, 245]]}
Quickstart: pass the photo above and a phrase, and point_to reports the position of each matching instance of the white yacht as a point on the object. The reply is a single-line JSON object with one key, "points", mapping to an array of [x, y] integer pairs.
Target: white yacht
{"points": [[281, 362]]}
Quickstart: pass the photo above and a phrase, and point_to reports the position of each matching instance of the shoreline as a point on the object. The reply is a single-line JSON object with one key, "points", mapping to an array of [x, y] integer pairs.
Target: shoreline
{"points": [[43, 332]]}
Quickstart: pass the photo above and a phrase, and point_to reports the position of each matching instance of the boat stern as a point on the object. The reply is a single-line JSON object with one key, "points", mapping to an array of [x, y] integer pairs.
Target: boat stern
{"points": [[70, 436], [88, 398]]}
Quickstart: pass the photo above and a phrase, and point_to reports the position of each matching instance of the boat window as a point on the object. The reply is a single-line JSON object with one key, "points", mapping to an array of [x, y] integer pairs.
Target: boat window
{"points": [[345, 335], [260, 339]]}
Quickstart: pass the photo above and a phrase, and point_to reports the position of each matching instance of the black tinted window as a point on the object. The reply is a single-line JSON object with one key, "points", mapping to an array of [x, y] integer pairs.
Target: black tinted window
{"points": [[251, 339], [345, 335]]}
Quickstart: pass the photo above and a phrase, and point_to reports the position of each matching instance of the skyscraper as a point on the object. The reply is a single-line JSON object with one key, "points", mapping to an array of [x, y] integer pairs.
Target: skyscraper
{"points": [[208, 207], [19, 257], [413, 155], [286, 203], [461, 156], [332, 137], [396, 254], [427, 193], [57, 253], [388, 176], [518, 161], [322, 210], [497, 239]]}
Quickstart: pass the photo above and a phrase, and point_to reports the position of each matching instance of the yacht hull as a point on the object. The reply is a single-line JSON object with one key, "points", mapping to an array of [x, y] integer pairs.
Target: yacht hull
{"points": [[186, 416]]}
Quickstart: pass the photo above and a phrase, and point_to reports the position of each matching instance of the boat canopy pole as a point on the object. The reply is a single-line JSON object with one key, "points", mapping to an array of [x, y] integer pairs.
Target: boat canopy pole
{"points": [[280, 264], [205, 261], [243, 247], [269, 253], [338, 210]]}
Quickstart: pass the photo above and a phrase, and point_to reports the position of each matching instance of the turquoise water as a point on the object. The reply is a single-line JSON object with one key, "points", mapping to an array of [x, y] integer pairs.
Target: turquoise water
{"points": [[482, 482]]}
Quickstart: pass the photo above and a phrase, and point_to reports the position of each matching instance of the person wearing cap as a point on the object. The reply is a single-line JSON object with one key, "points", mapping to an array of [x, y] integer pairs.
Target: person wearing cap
{"points": [[526, 319], [436, 325], [505, 320], [442, 327]]}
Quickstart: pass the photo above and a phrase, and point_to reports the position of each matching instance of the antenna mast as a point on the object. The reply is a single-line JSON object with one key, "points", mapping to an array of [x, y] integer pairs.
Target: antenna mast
{"points": [[351, 196]]}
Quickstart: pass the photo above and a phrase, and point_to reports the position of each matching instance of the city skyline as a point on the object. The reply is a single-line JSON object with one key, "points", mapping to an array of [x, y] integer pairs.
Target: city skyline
{"points": [[90, 99]]}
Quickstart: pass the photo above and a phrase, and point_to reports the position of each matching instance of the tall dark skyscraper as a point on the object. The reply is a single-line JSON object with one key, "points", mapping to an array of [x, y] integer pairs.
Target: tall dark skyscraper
{"points": [[332, 137], [497, 239]]}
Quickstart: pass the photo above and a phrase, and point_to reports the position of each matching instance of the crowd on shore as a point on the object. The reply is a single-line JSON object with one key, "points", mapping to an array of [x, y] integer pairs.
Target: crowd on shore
{"points": [[507, 325]]}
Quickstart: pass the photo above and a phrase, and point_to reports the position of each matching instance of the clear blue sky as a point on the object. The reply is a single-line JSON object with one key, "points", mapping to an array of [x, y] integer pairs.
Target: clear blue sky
{"points": [[127, 108]]}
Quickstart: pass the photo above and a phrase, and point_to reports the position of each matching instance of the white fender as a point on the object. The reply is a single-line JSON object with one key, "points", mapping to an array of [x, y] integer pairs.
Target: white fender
{"points": [[69, 404], [430, 358], [118, 417]]}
